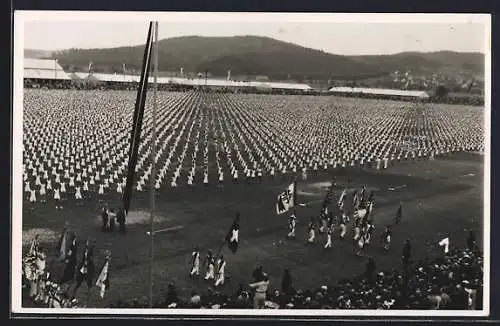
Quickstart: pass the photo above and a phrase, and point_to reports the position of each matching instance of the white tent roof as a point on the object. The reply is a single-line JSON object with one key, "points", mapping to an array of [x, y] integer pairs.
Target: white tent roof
{"points": [[194, 81], [44, 69], [380, 91]]}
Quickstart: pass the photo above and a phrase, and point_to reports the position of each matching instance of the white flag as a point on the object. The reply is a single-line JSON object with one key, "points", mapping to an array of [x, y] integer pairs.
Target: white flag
{"points": [[286, 199], [103, 279], [34, 246], [446, 244], [62, 246], [341, 199]]}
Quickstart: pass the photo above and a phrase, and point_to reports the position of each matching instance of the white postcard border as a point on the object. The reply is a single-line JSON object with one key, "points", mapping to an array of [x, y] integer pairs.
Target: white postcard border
{"points": [[20, 17]]}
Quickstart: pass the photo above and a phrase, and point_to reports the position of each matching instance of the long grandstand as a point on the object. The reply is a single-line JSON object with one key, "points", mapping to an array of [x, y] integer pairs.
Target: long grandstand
{"points": [[49, 74], [42, 69]]}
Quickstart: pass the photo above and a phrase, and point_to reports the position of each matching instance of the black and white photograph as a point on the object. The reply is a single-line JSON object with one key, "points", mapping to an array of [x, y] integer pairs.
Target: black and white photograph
{"points": [[251, 164]]}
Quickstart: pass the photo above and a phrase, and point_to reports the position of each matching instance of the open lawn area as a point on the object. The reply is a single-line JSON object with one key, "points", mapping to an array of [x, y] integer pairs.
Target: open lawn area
{"points": [[441, 197]]}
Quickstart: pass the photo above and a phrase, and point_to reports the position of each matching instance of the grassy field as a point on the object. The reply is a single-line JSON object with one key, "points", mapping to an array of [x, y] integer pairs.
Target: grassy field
{"points": [[441, 197]]}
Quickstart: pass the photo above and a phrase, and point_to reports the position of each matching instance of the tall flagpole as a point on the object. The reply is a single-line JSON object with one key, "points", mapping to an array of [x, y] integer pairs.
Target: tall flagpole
{"points": [[153, 169]]}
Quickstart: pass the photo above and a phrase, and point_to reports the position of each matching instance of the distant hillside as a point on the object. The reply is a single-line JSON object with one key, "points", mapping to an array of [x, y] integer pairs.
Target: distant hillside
{"points": [[254, 55], [428, 62], [36, 54]]}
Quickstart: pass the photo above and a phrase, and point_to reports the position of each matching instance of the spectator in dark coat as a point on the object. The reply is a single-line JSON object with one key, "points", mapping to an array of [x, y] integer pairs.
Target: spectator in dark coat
{"points": [[406, 254], [258, 273], [286, 282], [105, 218], [171, 295], [120, 218], [371, 266], [471, 240]]}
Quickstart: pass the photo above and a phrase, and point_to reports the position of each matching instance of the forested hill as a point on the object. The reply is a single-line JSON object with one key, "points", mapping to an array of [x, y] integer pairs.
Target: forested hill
{"points": [[255, 55]]}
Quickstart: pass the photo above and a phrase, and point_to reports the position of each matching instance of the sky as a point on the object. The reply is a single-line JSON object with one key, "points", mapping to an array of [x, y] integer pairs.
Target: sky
{"points": [[369, 35]]}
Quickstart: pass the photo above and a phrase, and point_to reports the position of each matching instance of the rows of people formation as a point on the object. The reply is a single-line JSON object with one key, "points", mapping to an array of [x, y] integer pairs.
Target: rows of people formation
{"points": [[76, 143]]}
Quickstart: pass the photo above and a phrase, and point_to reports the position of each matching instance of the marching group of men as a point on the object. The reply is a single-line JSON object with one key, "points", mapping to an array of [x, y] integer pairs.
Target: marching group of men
{"points": [[214, 267], [362, 207]]}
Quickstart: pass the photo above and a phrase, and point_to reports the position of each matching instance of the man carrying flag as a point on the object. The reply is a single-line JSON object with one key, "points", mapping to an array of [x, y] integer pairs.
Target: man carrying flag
{"points": [[195, 262], [355, 201], [103, 278], [372, 196], [221, 267], [328, 198], [70, 261], [292, 222], [446, 244], [86, 269], [34, 246], [61, 245], [341, 199], [362, 197], [369, 213], [232, 236], [286, 199]]}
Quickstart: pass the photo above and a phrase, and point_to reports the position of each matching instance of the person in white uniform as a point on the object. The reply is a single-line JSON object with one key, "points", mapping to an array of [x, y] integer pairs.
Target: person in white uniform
{"points": [[311, 232], [32, 196], [292, 222], [221, 267], [57, 198], [210, 273], [195, 262], [329, 232]]}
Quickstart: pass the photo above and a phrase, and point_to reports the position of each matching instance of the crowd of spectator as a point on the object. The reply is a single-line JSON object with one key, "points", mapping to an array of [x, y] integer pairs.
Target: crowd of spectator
{"points": [[473, 99], [451, 282]]}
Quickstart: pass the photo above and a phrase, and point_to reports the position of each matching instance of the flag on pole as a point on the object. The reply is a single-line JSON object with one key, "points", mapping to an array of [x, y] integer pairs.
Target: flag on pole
{"points": [[286, 199], [61, 245], [342, 198], [446, 244], [70, 261], [355, 199], [34, 246], [369, 212], [90, 68], [232, 237], [328, 198], [124, 69], [362, 196], [371, 196], [86, 268], [103, 279], [137, 121]]}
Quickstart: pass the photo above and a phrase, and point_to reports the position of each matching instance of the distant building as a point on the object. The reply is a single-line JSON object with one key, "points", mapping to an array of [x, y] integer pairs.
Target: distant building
{"points": [[380, 92], [43, 69], [261, 78]]}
